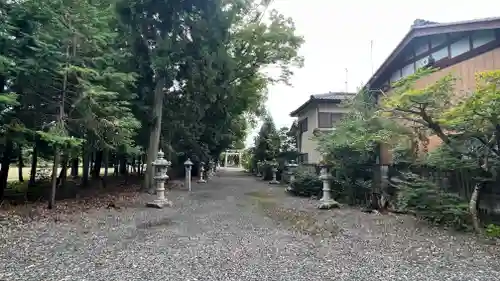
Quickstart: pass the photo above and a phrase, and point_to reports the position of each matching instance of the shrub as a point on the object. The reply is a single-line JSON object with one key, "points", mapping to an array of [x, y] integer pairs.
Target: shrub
{"points": [[426, 200], [493, 230], [306, 184]]}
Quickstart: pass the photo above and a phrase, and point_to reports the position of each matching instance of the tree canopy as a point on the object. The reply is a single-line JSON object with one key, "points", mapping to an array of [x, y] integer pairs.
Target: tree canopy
{"points": [[117, 79]]}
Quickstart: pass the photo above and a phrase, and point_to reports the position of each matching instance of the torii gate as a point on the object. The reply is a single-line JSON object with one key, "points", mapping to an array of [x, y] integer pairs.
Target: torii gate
{"points": [[233, 152]]}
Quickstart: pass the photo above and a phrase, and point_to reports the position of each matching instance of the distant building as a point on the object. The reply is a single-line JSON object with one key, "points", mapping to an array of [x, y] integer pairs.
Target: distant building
{"points": [[319, 113]]}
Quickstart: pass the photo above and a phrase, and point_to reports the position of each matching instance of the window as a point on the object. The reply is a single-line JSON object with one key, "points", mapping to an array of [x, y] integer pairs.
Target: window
{"points": [[327, 119], [479, 38], [304, 158], [395, 76], [460, 47], [440, 54], [437, 40], [408, 70], [303, 125]]}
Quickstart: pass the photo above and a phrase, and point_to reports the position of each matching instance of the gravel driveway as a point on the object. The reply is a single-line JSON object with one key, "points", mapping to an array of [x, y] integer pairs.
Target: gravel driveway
{"points": [[238, 228]]}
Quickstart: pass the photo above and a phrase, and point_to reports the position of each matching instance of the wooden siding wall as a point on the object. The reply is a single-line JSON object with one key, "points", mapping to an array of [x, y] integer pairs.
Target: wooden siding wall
{"points": [[465, 72]]}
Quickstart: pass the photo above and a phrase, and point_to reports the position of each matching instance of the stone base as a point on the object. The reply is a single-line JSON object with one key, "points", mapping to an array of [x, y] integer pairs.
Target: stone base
{"points": [[288, 188], [159, 204], [201, 181], [274, 182], [328, 204]]}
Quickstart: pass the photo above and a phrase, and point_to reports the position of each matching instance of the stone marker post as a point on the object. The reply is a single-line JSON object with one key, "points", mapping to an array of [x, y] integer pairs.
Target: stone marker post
{"points": [[292, 169], [326, 201], [188, 165], [161, 166], [274, 169], [202, 170]]}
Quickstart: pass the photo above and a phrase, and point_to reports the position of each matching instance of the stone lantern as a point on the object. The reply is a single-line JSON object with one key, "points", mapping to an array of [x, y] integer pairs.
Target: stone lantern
{"points": [[161, 166], [259, 169], [214, 168], [210, 168], [274, 169], [326, 201], [188, 166], [291, 170], [202, 170]]}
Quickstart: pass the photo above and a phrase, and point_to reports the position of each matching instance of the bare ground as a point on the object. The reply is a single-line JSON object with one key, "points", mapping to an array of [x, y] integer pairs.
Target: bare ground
{"points": [[234, 228]]}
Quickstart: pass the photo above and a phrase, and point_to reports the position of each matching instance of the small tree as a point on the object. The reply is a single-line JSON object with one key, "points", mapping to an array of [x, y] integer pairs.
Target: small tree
{"points": [[267, 143], [351, 147], [469, 127]]}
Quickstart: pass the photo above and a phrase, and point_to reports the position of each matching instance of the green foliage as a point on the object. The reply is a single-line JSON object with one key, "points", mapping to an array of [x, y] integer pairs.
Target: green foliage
{"points": [[447, 159], [467, 124], [86, 78], [403, 153], [493, 231], [306, 184], [267, 142], [351, 149], [428, 201]]}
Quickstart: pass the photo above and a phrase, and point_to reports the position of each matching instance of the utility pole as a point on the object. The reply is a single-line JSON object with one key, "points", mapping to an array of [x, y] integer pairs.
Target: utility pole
{"points": [[371, 55], [346, 78]]}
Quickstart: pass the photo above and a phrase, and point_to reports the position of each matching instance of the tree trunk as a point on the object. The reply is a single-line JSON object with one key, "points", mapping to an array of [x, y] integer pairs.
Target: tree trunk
{"points": [[86, 167], [115, 165], [134, 163], [5, 166], [106, 162], [123, 164], [52, 201], [96, 172], [473, 208], [20, 165], [61, 180], [34, 163], [154, 136], [92, 164], [74, 167]]}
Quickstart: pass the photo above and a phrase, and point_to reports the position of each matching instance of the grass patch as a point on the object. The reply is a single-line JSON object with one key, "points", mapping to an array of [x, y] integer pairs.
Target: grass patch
{"points": [[296, 220]]}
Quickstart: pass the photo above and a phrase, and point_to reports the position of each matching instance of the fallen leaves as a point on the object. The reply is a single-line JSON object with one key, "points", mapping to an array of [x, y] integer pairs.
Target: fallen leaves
{"points": [[301, 221], [65, 210]]}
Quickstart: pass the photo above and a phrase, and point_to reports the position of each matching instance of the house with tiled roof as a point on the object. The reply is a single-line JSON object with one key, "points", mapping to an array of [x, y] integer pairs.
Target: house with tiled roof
{"points": [[461, 48], [319, 113]]}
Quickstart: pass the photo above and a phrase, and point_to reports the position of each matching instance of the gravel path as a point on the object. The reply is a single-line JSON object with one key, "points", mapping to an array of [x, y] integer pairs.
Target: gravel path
{"points": [[237, 228]]}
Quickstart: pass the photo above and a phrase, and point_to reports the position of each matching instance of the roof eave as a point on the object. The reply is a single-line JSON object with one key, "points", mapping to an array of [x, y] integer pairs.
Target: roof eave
{"points": [[427, 30], [311, 100]]}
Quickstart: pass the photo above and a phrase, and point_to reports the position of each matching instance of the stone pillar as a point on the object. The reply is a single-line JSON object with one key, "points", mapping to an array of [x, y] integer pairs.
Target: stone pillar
{"points": [[161, 166], [326, 201], [240, 160], [291, 169], [202, 170], [274, 169], [225, 159], [188, 165]]}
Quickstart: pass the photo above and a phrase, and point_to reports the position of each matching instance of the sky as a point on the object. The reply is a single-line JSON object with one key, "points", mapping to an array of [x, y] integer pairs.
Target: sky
{"points": [[338, 35]]}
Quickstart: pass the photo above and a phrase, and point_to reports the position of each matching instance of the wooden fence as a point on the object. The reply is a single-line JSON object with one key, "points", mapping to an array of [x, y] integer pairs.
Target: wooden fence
{"points": [[462, 182]]}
